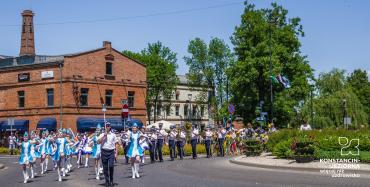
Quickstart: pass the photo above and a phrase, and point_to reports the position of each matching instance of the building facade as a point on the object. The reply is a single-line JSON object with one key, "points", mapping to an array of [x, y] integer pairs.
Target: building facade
{"points": [[189, 104], [69, 87]]}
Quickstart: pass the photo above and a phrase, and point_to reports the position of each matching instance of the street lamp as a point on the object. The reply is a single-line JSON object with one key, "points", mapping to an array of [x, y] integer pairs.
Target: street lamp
{"points": [[190, 96], [312, 88]]}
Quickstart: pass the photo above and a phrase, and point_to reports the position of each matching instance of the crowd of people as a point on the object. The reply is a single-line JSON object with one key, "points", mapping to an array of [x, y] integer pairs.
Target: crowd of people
{"points": [[104, 144]]}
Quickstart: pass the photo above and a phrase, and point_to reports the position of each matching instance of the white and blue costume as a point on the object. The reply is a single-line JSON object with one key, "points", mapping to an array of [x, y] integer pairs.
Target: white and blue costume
{"points": [[25, 156], [96, 147], [60, 148], [135, 148]]}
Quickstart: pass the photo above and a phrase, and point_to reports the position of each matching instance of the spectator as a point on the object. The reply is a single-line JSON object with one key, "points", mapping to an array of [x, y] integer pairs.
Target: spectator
{"points": [[272, 128], [11, 142], [305, 126], [249, 131]]}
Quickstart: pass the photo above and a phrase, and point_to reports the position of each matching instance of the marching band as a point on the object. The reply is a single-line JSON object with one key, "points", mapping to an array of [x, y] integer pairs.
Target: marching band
{"points": [[103, 145]]}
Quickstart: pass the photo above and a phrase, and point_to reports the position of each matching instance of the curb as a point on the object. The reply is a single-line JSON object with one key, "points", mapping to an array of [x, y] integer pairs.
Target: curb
{"points": [[234, 161]]}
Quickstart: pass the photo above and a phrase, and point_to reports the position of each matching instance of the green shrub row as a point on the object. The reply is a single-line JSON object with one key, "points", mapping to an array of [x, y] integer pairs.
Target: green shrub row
{"points": [[326, 143]]}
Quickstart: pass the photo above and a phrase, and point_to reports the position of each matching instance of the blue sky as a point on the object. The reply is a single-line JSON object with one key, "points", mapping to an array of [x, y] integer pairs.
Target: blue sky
{"points": [[337, 31]]}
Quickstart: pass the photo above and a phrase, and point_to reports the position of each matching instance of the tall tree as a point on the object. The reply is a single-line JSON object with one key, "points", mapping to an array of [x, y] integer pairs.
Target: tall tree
{"points": [[265, 33], [161, 74], [207, 65], [336, 99]]}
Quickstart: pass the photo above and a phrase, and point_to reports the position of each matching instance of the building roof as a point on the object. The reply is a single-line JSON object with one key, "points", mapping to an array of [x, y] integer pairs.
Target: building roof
{"points": [[6, 61]]}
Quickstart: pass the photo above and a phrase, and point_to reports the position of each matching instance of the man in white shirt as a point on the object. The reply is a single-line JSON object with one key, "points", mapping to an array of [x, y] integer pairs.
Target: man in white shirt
{"points": [[161, 135], [305, 127], [11, 142], [171, 142], [221, 137], [108, 142], [194, 140], [208, 141]]}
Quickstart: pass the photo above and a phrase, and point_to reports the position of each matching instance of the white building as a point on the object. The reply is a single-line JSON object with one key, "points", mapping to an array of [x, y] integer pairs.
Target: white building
{"points": [[188, 104]]}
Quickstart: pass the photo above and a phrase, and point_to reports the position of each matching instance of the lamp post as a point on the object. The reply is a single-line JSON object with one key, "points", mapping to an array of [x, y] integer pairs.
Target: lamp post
{"points": [[270, 72], [311, 95], [190, 96]]}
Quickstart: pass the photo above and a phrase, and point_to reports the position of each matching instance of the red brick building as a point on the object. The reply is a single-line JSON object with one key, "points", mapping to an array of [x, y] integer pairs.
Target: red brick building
{"points": [[67, 88]]}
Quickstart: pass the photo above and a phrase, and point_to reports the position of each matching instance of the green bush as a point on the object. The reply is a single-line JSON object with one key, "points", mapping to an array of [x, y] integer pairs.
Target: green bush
{"points": [[5, 150], [326, 142], [252, 147], [282, 149]]}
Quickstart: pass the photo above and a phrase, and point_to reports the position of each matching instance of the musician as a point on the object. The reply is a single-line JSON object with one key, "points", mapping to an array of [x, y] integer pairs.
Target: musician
{"points": [[108, 142], [208, 141], [221, 137], [171, 142], [161, 135], [152, 135], [180, 142], [126, 144], [194, 140]]}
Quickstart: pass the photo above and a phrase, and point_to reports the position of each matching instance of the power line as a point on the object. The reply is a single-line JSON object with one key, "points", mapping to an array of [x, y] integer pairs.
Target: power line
{"points": [[135, 17]]}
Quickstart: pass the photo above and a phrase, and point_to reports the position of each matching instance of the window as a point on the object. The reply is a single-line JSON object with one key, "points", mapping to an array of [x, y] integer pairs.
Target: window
{"points": [[159, 108], [108, 68], [202, 111], [84, 96], [185, 111], [131, 99], [177, 107], [168, 110], [194, 111], [21, 99], [108, 97], [50, 96], [177, 95]]}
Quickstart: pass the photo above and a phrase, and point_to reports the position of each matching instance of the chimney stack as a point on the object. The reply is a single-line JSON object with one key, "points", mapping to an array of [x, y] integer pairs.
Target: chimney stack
{"points": [[27, 39]]}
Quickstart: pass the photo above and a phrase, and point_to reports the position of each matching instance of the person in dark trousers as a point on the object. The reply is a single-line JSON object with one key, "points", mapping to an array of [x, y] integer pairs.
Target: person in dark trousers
{"points": [[161, 135], [208, 141], [194, 141], [108, 143], [126, 146], [221, 137], [153, 142], [171, 142]]}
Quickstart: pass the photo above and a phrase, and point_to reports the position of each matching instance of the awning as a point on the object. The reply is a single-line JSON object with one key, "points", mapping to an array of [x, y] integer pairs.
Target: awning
{"points": [[87, 124], [19, 125], [47, 124]]}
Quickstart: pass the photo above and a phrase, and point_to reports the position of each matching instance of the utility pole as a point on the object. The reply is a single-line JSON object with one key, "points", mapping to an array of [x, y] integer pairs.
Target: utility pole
{"points": [[270, 70], [312, 87]]}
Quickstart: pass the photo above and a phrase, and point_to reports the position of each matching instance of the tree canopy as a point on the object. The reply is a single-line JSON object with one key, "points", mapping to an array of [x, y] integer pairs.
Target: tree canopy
{"points": [[161, 68], [261, 33]]}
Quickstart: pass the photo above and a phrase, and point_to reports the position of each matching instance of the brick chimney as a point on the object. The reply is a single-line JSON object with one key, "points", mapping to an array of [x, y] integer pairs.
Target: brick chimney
{"points": [[108, 46], [27, 39]]}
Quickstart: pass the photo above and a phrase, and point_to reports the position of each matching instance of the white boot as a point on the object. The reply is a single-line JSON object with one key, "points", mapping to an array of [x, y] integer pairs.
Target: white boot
{"points": [[46, 165], [133, 171], [25, 176], [86, 162], [137, 170], [63, 172], [42, 167], [59, 177], [32, 174], [101, 170], [97, 172]]}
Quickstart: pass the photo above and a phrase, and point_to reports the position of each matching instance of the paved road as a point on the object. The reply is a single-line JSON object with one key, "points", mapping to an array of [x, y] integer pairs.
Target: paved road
{"points": [[215, 172]]}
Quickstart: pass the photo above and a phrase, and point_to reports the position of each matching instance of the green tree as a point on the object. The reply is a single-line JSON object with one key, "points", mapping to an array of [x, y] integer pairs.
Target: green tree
{"points": [[261, 33], [336, 98], [161, 68], [207, 65], [360, 84]]}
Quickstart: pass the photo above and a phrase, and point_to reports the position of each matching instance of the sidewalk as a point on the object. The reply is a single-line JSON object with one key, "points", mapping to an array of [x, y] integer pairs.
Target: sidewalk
{"points": [[266, 160]]}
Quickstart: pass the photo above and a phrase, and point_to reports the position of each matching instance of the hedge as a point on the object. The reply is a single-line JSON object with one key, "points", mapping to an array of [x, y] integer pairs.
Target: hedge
{"points": [[326, 143]]}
